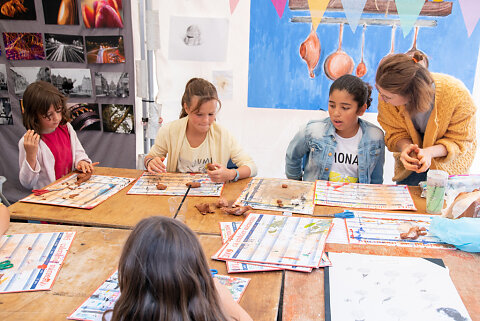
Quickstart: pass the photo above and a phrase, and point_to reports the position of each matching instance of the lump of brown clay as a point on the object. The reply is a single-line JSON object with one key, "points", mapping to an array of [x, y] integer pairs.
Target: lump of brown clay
{"points": [[413, 233], [161, 186], [73, 195], [193, 184], [284, 185], [204, 208], [83, 177], [211, 167], [222, 202], [280, 203], [239, 210]]}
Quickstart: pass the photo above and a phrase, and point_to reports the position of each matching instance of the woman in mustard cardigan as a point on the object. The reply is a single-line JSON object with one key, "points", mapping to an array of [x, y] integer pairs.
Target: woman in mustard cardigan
{"points": [[428, 119], [195, 140]]}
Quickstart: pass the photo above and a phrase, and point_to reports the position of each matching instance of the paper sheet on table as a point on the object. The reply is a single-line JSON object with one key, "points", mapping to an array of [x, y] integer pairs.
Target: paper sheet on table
{"points": [[369, 287]]}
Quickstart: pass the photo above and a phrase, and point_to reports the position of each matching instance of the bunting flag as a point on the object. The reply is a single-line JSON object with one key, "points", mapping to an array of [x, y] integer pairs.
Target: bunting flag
{"points": [[353, 10], [471, 13], [233, 5], [279, 6], [317, 9], [408, 11]]}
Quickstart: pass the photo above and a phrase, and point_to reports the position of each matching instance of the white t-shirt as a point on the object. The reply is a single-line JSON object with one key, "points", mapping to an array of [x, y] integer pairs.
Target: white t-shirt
{"points": [[193, 160], [345, 161]]}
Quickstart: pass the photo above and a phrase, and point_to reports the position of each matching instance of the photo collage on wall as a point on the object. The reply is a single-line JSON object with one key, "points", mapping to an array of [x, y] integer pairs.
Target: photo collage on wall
{"points": [[83, 81]]}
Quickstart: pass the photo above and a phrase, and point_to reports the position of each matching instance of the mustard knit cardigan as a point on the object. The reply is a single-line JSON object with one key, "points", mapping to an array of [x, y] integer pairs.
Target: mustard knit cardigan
{"points": [[451, 123]]}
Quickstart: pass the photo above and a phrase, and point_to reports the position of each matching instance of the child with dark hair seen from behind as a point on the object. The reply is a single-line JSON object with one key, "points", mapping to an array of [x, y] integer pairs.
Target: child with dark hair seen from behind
{"points": [[163, 274]]}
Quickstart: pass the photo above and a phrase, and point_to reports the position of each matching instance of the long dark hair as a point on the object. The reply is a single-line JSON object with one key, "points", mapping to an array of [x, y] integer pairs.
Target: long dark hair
{"points": [[163, 275], [202, 88], [406, 76], [360, 90], [37, 99]]}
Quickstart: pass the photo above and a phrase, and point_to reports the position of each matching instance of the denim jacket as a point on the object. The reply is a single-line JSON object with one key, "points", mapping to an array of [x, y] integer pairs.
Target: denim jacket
{"points": [[316, 143]]}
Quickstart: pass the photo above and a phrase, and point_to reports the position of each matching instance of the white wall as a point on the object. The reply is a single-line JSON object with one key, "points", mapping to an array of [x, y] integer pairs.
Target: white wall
{"points": [[264, 133]]}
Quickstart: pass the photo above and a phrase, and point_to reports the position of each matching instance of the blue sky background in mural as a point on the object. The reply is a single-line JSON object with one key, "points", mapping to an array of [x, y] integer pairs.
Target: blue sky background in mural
{"points": [[278, 77]]}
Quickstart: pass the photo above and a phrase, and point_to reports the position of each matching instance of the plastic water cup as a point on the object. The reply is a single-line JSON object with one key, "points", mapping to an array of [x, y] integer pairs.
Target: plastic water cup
{"points": [[173, 204], [437, 181]]}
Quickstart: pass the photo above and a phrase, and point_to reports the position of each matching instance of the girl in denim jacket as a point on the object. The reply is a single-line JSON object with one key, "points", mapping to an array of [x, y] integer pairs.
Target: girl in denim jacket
{"points": [[342, 147]]}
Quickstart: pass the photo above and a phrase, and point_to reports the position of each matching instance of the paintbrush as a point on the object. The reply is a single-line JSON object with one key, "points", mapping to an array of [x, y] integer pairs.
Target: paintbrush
{"points": [[183, 199]]}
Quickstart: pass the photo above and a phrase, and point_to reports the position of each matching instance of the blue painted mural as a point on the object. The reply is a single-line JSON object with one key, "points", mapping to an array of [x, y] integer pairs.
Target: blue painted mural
{"points": [[279, 78]]}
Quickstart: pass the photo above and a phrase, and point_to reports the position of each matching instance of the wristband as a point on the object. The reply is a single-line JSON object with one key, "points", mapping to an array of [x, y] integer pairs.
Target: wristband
{"points": [[237, 176], [147, 162]]}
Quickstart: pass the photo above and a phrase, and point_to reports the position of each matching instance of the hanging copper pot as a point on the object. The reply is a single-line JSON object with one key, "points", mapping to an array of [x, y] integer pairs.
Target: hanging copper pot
{"points": [[362, 68], [338, 63], [310, 51]]}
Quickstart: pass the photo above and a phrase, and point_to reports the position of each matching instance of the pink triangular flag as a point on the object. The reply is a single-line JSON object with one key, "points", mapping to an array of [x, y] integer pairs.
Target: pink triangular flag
{"points": [[233, 5], [471, 13], [279, 6]]}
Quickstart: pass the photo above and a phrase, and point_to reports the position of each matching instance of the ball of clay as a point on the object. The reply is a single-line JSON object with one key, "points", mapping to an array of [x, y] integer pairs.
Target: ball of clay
{"points": [[211, 167], [193, 184], [83, 177], [161, 186], [284, 185]]}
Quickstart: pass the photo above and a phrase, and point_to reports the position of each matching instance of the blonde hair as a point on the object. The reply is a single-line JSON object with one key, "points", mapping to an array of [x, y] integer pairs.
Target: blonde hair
{"points": [[201, 88], [404, 75]]}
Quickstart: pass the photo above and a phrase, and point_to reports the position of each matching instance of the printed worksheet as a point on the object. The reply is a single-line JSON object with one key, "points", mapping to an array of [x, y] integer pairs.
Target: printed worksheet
{"points": [[276, 194], [369, 196], [379, 228], [175, 184], [227, 231], [86, 195], [279, 240], [36, 259]]}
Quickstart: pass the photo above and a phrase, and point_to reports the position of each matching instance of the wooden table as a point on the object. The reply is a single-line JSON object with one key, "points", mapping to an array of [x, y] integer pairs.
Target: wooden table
{"points": [[124, 211], [94, 256], [304, 296]]}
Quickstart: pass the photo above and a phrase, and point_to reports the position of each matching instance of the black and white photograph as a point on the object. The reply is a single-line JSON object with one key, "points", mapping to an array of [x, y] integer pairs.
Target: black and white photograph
{"points": [[198, 39], [111, 84], [3, 78], [85, 116], [66, 48], [24, 76], [72, 82], [118, 118], [6, 117]]}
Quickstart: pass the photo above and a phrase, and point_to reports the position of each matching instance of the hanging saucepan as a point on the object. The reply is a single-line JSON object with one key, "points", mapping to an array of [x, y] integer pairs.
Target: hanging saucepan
{"points": [[338, 63], [414, 44], [310, 51], [362, 68], [414, 49]]}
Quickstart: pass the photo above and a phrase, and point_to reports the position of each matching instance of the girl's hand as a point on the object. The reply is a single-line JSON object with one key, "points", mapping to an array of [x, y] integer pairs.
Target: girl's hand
{"points": [[425, 158], [30, 143], [155, 165], [221, 174], [84, 166], [409, 158]]}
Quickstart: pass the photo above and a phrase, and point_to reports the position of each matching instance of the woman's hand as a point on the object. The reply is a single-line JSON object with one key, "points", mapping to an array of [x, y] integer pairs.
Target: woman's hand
{"points": [[155, 165], [30, 143], [84, 166], [425, 160], [221, 174], [409, 157]]}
